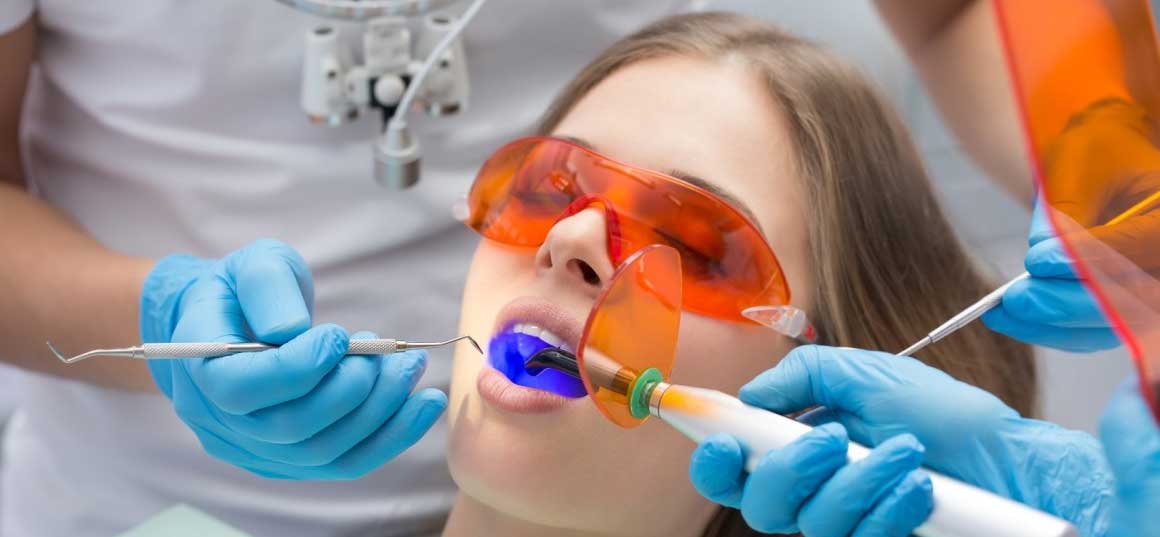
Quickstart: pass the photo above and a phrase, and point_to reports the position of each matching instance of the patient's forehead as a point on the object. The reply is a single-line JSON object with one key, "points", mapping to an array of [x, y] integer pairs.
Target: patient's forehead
{"points": [[713, 120]]}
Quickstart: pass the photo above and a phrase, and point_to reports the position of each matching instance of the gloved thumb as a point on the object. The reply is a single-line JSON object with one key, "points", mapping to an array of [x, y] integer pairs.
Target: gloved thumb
{"points": [[814, 375]]}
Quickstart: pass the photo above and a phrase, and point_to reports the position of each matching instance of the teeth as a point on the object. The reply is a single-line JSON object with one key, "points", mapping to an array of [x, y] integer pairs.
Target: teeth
{"points": [[551, 338], [542, 333]]}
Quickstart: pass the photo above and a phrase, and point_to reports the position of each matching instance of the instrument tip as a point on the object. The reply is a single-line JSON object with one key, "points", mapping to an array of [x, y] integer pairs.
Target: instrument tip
{"points": [[473, 343], [55, 352]]}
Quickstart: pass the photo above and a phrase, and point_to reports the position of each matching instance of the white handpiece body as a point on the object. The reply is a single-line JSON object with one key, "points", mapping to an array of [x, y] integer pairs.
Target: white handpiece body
{"points": [[960, 510]]}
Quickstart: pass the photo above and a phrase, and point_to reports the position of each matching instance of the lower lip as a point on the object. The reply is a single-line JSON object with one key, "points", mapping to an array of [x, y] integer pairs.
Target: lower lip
{"points": [[496, 389]]}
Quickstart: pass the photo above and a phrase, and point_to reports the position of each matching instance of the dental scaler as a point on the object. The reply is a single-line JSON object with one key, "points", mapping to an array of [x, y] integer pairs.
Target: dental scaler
{"points": [[960, 510]]}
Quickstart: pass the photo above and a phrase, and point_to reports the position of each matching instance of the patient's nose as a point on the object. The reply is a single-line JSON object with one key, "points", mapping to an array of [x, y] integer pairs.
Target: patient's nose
{"points": [[576, 251]]}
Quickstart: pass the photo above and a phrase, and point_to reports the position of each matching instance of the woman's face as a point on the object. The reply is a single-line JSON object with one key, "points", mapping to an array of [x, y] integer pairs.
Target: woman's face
{"points": [[557, 461]]}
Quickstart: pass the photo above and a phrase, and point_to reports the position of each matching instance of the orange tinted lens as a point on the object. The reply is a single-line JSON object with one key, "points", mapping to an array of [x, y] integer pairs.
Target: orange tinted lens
{"points": [[521, 191], [728, 266], [1088, 86], [632, 327]]}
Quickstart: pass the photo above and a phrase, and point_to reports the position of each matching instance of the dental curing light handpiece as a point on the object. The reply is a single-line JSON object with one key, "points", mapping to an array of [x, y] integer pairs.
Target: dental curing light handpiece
{"points": [[165, 351], [994, 298], [960, 510]]}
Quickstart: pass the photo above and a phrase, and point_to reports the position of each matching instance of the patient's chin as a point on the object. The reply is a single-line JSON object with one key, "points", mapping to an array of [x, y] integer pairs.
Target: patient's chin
{"points": [[497, 476]]}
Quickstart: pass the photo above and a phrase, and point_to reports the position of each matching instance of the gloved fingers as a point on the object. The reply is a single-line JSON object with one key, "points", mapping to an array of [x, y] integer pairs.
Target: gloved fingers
{"points": [[339, 393], [408, 425], [400, 373], [843, 501], [346, 387], [717, 470], [243, 383], [842, 379], [274, 288], [1131, 436], [403, 430], [1066, 339], [792, 385], [1048, 259], [784, 478], [902, 510], [1134, 239], [1063, 303]]}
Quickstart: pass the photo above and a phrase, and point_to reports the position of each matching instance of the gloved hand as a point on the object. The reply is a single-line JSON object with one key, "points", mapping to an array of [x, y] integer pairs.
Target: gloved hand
{"points": [[302, 411], [1131, 440], [1103, 163], [808, 487], [1052, 308], [967, 433]]}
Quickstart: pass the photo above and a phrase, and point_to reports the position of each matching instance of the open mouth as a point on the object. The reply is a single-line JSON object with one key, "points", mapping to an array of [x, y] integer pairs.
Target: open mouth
{"points": [[511, 347]]}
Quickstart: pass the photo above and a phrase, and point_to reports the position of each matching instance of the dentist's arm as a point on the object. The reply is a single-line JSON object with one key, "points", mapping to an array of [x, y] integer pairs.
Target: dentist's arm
{"points": [[56, 282], [955, 46], [302, 411]]}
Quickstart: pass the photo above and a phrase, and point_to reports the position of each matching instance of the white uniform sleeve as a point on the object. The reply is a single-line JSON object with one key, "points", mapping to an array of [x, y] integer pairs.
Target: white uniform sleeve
{"points": [[13, 13]]}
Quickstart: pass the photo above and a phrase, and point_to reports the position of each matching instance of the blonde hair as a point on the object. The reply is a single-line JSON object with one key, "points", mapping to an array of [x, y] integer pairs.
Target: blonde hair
{"points": [[888, 266]]}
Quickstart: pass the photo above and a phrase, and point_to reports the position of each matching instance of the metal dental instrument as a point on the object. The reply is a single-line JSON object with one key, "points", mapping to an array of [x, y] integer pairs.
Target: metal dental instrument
{"points": [[994, 298], [963, 318], [164, 351]]}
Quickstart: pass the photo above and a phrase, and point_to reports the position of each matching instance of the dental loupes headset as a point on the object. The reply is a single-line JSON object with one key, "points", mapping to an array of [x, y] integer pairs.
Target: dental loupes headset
{"points": [[390, 78], [627, 352]]}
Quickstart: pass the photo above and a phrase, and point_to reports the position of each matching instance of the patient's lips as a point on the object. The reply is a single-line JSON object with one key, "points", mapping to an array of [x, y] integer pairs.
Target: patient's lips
{"points": [[524, 327]]}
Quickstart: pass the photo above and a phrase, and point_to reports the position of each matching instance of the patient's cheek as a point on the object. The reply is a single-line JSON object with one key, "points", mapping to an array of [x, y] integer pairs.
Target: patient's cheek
{"points": [[724, 355]]}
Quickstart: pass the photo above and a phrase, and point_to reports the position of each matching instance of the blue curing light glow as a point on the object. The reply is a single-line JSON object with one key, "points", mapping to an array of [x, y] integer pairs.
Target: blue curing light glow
{"points": [[508, 351]]}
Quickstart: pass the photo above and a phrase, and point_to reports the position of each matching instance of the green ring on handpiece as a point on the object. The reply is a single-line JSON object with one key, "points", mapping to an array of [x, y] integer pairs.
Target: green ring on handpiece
{"points": [[641, 390]]}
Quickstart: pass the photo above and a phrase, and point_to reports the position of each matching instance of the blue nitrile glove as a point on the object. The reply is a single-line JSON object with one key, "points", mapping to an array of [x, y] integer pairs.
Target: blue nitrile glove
{"points": [[302, 411], [1052, 308], [967, 433], [1131, 440], [808, 487]]}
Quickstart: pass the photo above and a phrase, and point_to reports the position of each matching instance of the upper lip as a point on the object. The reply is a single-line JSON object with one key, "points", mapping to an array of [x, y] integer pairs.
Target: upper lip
{"points": [[544, 314]]}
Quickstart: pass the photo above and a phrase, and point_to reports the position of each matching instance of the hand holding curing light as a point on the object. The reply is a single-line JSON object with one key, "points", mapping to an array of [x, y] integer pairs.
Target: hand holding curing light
{"points": [[700, 413]]}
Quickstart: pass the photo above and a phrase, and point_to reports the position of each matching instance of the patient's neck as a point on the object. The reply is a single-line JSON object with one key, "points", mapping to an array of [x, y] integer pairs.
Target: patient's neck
{"points": [[469, 517]]}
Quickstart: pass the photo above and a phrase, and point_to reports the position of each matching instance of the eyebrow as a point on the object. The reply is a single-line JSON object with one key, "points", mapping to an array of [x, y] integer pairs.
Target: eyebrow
{"points": [[694, 180]]}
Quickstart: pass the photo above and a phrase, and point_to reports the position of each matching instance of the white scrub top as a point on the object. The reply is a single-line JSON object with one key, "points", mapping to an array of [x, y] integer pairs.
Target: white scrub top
{"points": [[166, 126]]}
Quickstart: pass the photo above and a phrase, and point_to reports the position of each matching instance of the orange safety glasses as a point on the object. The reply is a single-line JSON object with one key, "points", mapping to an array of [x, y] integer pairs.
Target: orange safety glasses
{"points": [[729, 271]]}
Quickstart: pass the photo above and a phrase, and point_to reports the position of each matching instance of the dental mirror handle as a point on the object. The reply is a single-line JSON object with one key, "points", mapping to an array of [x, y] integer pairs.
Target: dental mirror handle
{"points": [[960, 510], [965, 317]]}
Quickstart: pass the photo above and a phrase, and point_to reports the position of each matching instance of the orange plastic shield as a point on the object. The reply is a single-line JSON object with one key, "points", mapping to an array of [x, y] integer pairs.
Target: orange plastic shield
{"points": [[632, 327], [1087, 78]]}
